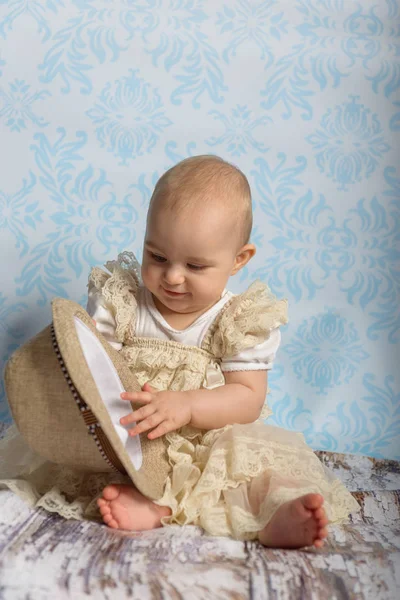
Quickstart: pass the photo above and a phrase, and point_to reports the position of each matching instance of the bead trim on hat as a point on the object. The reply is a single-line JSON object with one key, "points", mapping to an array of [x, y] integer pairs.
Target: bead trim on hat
{"points": [[91, 422]]}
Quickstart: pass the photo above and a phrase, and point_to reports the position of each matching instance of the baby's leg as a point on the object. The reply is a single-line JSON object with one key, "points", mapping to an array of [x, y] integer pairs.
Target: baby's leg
{"points": [[297, 523], [124, 507]]}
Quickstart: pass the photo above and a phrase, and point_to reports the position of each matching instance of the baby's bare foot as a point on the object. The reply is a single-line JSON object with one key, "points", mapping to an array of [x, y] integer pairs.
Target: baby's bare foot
{"points": [[124, 507], [297, 523]]}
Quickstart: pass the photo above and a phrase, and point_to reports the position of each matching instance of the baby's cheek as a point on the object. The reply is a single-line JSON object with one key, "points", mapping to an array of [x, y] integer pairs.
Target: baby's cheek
{"points": [[148, 275]]}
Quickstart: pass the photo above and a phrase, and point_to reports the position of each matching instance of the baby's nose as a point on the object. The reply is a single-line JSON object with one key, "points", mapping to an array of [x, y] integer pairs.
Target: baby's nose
{"points": [[174, 276]]}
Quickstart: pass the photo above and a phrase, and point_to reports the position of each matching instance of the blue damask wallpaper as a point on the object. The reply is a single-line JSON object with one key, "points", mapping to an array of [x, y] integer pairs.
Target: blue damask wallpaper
{"points": [[99, 97]]}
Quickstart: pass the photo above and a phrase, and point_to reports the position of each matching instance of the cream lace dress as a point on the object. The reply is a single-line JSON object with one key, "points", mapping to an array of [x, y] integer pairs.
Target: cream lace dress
{"points": [[229, 481]]}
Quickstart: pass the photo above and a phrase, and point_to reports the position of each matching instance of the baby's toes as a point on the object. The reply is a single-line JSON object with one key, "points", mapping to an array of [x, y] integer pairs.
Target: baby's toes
{"points": [[322, 523], [320, 537], [320, 513], [105, 510], [322, 532], [111, 492], [321, 518], [110, 521]]}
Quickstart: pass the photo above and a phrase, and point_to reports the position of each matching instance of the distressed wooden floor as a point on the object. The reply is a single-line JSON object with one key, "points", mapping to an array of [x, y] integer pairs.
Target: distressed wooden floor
{"points": [[45, 557]]}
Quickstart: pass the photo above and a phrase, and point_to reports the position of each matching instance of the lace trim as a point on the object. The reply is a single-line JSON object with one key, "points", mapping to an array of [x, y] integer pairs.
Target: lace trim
{"points": [[265, 411], [98, 278], [119, 291], [128, 262], [169, 353], [167, 365], [69, 493], [245, 321]]}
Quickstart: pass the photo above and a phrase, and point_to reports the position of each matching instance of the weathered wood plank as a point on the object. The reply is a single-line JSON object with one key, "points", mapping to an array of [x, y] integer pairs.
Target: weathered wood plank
{"points": [[47, 557]]}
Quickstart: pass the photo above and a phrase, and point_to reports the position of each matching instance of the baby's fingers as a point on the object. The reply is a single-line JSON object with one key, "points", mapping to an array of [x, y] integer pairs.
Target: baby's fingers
{"points": [[148, 388], [141, 397], [145, 425], [138, 415], [162, 429]]}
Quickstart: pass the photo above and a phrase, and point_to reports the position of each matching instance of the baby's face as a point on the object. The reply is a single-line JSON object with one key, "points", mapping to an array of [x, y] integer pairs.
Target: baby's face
{"points": [[188, 258]]}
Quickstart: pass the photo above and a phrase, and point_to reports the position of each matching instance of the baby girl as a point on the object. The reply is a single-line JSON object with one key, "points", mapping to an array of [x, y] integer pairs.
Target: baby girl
{"points": [[202, 361]]}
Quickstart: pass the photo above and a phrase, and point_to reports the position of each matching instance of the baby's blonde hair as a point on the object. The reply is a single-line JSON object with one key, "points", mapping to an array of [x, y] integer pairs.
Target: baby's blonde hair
{"points": [[202, 179]]}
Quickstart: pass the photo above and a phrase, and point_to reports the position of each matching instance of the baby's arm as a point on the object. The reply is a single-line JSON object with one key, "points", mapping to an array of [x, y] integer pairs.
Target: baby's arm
{"points": [[240, 400], [242, 397]]}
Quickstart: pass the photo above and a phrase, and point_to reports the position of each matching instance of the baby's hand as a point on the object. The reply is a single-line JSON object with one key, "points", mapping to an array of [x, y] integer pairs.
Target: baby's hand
{"points": [[163, 411]]}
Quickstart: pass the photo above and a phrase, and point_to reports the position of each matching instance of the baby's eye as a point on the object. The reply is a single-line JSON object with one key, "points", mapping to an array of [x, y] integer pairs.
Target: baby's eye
{"points": [[196, 267], [158, 258]]}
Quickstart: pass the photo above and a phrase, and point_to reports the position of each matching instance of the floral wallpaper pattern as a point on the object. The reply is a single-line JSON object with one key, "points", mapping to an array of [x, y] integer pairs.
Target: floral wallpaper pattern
{"points": [[99, 97]]}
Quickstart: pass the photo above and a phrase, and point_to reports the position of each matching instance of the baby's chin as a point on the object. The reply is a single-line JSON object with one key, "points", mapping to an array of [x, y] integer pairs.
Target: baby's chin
{"points": [[181, 306], [184, 305]]}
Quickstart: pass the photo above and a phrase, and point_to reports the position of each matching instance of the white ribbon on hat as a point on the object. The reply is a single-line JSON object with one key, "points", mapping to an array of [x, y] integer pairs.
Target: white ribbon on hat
{"points": [[110, 387]]}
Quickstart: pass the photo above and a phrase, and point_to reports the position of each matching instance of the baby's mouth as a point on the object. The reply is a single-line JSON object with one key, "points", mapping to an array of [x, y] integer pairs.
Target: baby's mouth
{"points": [[174, 294]]}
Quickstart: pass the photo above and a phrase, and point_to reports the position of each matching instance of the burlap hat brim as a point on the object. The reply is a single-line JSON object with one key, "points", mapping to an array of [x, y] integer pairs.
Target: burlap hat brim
{"points": [[55, 402]]}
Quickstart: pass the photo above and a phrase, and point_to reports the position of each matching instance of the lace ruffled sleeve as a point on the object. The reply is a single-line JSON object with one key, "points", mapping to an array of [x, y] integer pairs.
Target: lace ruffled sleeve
{"points": [[258, 358], [246, 322], [112, 298]]}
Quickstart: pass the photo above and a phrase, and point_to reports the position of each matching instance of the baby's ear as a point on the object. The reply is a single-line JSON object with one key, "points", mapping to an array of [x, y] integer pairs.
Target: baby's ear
{"points": [[245, 253]]}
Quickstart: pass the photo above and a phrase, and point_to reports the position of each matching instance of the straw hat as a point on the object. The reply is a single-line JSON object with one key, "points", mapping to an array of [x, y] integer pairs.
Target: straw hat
{"points": [[65, 383]]}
